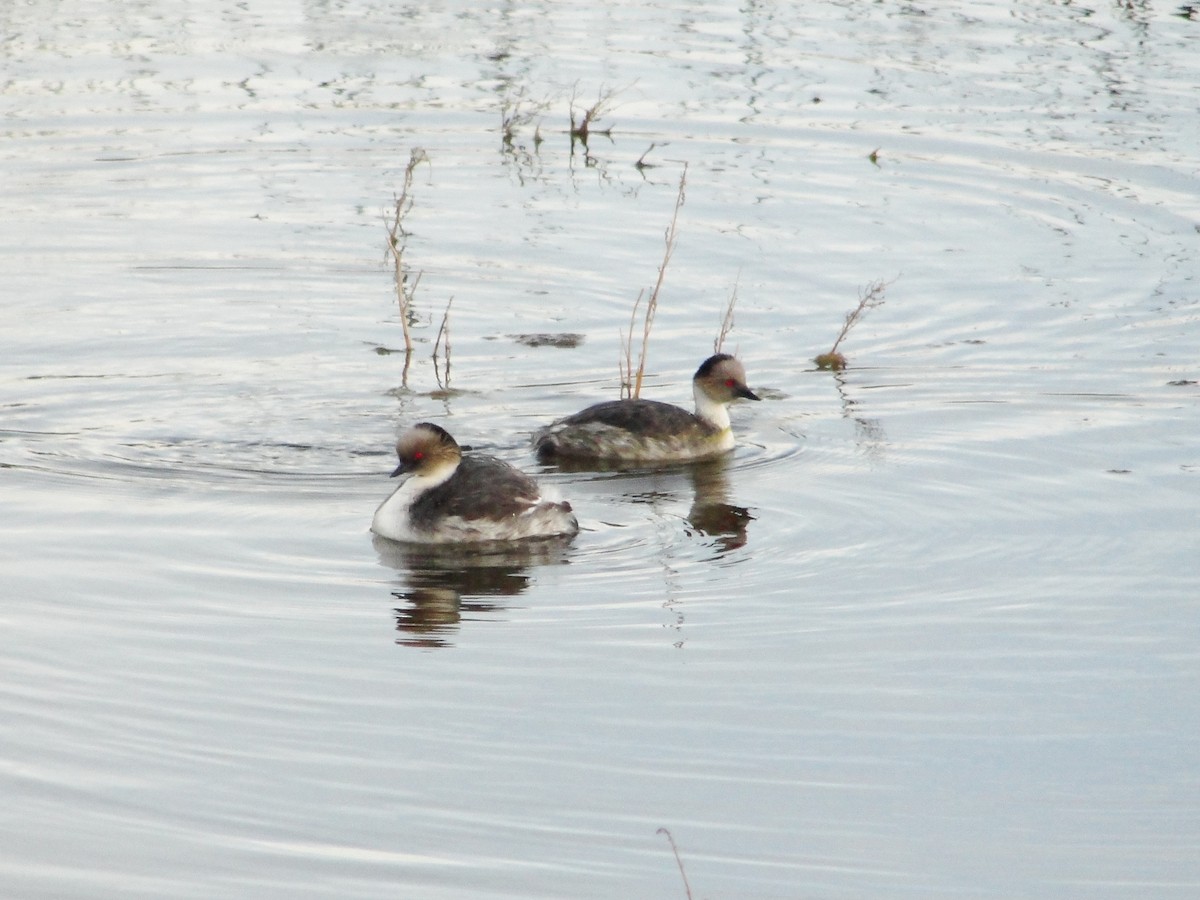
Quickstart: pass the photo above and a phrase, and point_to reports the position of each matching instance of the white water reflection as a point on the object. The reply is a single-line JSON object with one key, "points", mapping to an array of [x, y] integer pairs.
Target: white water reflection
{"points": [[928, 632]]}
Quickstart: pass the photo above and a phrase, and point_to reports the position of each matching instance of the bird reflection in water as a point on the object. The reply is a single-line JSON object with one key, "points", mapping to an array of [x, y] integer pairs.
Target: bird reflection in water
{"points": [[454, 583], [711, 515]]}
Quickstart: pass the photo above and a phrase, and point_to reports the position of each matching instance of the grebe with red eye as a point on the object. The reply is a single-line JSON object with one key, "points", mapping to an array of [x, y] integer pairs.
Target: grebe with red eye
{"points": [[641, 431], [451, 498]]}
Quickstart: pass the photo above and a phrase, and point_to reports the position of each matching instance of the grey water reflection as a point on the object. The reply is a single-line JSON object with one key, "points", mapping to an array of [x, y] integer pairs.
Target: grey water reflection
{"points": [[447, 585]]}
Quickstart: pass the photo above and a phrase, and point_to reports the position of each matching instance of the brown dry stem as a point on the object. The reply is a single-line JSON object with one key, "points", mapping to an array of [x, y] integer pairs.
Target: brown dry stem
{"points": [[398, 242], [635, 389], [443, 332]]}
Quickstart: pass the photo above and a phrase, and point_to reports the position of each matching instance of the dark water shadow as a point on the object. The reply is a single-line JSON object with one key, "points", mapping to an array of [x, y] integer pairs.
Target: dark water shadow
{"points": [[445, 586]]}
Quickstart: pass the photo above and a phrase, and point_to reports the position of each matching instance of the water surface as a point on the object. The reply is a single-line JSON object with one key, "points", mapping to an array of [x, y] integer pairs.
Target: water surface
{"points": [[930, 631]]}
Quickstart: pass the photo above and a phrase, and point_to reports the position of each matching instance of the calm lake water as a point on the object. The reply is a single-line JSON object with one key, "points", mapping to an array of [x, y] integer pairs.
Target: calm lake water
{"points": [[933, 630]]}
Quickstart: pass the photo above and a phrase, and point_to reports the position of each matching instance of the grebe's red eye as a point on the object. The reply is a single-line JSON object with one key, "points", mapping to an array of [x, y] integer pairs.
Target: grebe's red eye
{"points": [[418, 456], [729, 382]]}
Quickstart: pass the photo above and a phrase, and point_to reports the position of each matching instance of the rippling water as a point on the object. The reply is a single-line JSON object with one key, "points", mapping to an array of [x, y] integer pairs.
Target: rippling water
{"points": [[929, 632]]}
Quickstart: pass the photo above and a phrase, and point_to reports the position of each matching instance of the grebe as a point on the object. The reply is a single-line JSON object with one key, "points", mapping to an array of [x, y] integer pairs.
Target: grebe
{"points": [[649, 431], [451, 498]]}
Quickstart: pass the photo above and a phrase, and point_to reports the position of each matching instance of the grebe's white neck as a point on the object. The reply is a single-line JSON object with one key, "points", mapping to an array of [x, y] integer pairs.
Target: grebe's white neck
{"points": [[712, 411], [430, 475]]}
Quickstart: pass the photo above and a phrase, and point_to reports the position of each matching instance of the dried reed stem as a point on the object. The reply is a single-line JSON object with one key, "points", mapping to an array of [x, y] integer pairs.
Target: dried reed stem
{"points": [[727, 322], [398, 241], [652, 303], [626, 364], [443, 331]]}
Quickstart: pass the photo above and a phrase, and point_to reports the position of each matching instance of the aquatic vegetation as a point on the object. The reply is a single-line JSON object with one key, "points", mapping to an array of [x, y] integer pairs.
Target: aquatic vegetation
{"points": [[397, 241], [442, 373], [406, 282], [869, 297], [519, 113], [631, 381], [581, 129], [726, 321]]}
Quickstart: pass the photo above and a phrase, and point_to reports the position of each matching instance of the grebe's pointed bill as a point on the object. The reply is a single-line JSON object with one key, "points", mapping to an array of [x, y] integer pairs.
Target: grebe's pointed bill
{"points": [[740, 390]]}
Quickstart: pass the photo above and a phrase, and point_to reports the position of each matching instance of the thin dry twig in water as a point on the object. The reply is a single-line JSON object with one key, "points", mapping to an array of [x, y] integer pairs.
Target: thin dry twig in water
{"points": [[443, 331], [727, 322], [641, 160], [652, 303], [518, 112], [869, 298], [581, 129], [626, 364], [397, 242], [687, 888]]}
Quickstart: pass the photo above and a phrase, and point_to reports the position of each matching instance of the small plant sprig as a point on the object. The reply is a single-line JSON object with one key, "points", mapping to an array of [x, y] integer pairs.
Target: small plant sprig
{"points": [[631, 382], [868, 298], [519, 113], [583, 128], [397, 243]]}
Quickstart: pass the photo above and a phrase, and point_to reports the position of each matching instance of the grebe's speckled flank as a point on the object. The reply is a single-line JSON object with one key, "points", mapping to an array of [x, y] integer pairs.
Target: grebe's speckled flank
{"points": [[451, 498], [643, 431]]}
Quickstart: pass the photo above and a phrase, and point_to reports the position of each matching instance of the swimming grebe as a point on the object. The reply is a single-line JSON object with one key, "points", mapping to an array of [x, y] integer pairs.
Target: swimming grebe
{"points": [[451, 498], [650, 431]]}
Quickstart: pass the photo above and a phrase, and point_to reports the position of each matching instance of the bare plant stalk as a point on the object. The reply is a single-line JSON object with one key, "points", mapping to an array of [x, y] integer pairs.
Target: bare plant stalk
{"points": [[626, 364], [687, 888], [727, 322], [652, 303], [396, 244], [443, 331], [868, 298], [398, 240]]}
